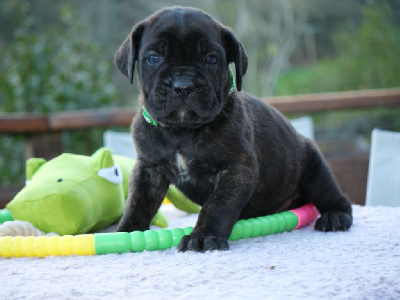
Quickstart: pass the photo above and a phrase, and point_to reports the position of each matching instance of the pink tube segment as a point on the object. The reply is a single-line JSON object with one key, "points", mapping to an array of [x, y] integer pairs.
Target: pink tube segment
{"points": [[306, 214]]}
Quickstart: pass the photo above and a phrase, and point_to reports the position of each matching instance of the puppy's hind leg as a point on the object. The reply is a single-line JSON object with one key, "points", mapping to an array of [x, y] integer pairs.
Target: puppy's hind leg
{"points": [[319, 186]]}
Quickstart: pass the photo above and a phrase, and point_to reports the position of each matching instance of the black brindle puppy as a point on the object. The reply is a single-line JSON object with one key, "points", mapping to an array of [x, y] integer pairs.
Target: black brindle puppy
{"points": [[225, 150]]}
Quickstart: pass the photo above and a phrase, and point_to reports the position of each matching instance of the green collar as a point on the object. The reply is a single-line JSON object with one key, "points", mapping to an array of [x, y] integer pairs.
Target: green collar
{"points": [[233, 83], [150, 120]]}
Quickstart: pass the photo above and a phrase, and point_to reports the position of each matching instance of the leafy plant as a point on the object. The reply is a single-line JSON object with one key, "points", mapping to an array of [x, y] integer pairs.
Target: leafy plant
{"points": [[370, 56], [367, 59], [57, 69]]}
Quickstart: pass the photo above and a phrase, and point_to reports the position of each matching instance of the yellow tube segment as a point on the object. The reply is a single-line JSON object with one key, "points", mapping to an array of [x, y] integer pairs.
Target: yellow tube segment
{"points": [[66, 245], [16, 246], [27, 246], [5, 246], [45, 246], [84, 244]]}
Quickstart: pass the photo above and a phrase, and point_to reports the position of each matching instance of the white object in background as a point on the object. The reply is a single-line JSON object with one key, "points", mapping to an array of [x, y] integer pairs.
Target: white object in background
{"points": [[120, 143], [304, 126], [383, 185], [21, 228]]}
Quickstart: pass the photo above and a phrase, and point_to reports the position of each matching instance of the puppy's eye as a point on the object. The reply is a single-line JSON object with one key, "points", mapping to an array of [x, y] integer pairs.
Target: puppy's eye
{"points": [[153, 59], [212, 59]]}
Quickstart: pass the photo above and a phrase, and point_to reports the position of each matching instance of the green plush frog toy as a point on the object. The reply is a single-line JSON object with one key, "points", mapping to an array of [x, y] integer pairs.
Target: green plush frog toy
{"points": [[75, 194]]}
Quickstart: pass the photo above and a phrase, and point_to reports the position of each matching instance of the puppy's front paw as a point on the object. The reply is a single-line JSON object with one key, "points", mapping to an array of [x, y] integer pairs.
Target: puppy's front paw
{"points": [[130, 227], [334, 221], [202, 244]]}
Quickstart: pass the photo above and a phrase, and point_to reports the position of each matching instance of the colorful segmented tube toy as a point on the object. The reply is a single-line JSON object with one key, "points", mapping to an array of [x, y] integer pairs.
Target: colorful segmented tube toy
{"points": [[150, 240]]}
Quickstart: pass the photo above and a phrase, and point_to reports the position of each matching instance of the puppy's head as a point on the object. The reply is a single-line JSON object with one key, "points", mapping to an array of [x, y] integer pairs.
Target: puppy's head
{"points": [[182, 57]]}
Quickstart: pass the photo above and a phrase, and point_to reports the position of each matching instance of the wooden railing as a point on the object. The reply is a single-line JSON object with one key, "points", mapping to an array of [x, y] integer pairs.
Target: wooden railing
{"points": [[67, 120], [42, 132]]}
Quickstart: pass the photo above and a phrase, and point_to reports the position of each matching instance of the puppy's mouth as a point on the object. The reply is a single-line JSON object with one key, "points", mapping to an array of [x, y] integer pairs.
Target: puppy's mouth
{"points": [[186, 99], [191, 113], [185, 117]]}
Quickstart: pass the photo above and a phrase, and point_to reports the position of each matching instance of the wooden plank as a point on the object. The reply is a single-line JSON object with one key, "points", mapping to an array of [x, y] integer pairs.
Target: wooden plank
{"points": [[23, 123], [43, 145], [91, 118], [7, 193], [351, 172], [28, 123], [335, 101]]}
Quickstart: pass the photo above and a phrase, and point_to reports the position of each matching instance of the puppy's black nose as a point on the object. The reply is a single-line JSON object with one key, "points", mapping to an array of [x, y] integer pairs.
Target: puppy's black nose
{"points": [[183, 89]]}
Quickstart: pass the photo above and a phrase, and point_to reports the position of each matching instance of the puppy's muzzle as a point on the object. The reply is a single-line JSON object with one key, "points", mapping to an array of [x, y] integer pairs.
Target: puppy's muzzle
{"points": [[183, 88]]}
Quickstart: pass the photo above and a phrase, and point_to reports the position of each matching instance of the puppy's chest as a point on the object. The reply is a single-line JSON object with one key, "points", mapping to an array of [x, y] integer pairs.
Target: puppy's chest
{"points": [[182, 169], [194, 170]]}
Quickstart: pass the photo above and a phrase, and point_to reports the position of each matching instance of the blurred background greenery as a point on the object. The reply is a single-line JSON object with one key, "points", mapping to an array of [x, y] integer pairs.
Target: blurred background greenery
{"points": [[58, 55]]}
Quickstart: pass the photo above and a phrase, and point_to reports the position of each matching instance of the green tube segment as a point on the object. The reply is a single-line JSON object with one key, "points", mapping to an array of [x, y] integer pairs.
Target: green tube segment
{"points": [[151, 240], [5, 215], [138, 241], [262, 226]]}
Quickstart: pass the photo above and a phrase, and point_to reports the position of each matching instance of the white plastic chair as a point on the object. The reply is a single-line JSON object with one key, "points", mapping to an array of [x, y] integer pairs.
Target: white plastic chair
{"points": [[120, 143], [383, 184], [304, 126]]}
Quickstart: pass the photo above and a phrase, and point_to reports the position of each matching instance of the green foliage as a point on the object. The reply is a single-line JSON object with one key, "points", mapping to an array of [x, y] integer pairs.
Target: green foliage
{"points": [[350, 124], [12, 159], [368, 58], [321, 77], [58, 69]]}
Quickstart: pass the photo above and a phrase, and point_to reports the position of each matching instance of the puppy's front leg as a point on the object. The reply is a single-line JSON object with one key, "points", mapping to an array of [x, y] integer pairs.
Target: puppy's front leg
{"points": [[147, 188], [221, 211]]}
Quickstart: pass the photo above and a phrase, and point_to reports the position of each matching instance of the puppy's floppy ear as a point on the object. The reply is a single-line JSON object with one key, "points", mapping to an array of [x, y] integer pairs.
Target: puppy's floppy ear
{"points": [[235, 53], [127, 54]]}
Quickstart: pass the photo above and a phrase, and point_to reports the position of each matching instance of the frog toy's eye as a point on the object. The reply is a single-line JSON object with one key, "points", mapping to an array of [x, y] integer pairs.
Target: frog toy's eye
{"points": [[113, 174]]}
